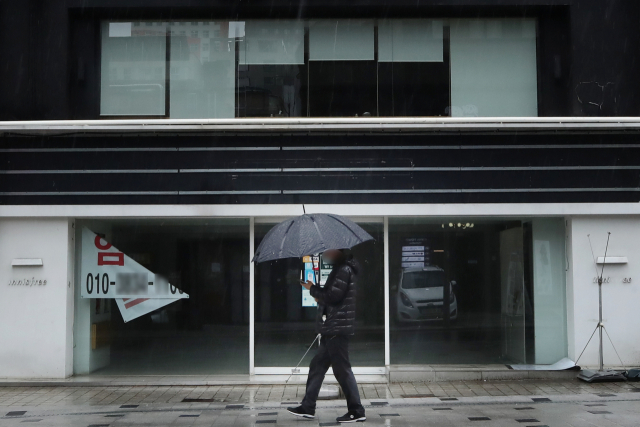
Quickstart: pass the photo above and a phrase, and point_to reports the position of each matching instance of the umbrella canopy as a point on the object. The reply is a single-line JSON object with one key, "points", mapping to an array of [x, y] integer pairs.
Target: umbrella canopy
{"points": [[309, 234]]}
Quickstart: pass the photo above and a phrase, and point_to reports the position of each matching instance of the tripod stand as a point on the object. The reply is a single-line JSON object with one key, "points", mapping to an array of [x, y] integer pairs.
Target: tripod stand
{"points": [[601, 374]]}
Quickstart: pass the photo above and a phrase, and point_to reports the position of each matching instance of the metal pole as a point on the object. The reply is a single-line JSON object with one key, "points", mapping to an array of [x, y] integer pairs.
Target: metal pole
{"points": [[600, 324], [600, 280], [387, 317], [252, 297]]}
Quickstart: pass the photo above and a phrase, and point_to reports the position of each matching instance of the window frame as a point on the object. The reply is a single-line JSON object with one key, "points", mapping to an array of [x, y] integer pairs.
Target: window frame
{"points": [[307, 62]]}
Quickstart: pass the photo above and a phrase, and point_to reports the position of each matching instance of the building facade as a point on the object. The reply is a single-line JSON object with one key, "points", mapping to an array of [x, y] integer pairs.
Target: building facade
{"points": [[146, 147]]}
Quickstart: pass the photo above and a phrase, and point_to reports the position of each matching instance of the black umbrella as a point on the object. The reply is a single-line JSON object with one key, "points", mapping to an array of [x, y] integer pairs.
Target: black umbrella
{"points": [[309, 234]]}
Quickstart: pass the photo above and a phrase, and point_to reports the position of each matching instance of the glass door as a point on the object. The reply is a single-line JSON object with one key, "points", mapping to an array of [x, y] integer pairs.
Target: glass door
{"points": [[513, 295]]}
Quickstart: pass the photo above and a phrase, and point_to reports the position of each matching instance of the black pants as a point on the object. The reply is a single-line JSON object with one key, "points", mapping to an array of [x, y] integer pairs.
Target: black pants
{"points": [[333, 352]]}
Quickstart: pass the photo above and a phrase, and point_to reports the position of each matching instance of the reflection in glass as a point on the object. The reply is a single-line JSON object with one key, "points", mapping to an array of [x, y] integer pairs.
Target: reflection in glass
{"points": [[133, 69], [468, 301], [423, 279], [423, 294]]}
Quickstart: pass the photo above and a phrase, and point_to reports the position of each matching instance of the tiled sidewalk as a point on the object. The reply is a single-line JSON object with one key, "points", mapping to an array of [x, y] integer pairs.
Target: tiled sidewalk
{"points": [[540, 404], [119, 395]]}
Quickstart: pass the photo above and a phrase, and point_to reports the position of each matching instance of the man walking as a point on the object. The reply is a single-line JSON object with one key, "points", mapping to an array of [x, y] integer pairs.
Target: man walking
{"points": [[335, 322]]}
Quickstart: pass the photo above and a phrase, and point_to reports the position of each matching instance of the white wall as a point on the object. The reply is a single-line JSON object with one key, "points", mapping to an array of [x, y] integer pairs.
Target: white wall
{"points": [[36, 322], [621, 311]]}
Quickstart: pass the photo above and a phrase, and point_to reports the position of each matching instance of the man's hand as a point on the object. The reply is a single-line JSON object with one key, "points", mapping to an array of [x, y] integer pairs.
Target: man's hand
{"points": [[307, 285]]}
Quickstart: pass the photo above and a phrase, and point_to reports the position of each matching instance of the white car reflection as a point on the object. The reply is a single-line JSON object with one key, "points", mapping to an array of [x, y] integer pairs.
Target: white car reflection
{"points": [[420, 295]]}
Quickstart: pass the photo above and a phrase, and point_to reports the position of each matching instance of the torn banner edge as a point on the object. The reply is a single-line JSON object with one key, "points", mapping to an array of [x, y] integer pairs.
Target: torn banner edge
{"points": [[564, 364]]}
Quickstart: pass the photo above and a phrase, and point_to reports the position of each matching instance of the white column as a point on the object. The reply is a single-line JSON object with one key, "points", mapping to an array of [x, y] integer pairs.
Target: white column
{"points": [[36, 297], [252, 369], [619, 295], [387, 336]]}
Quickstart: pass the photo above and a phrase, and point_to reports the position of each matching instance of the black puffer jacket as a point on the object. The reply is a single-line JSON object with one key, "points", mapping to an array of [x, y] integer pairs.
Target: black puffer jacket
{"points": [[337, 300]]}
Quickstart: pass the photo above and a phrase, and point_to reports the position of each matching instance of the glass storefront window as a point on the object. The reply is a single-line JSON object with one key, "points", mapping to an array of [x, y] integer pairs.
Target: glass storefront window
{"points": [[284, 327], [207, 333], [463, 292], [320, 68]]}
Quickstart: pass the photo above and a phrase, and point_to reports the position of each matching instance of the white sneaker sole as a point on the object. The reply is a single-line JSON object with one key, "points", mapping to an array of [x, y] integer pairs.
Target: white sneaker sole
{"points": [[355, 420], [301, 415]]}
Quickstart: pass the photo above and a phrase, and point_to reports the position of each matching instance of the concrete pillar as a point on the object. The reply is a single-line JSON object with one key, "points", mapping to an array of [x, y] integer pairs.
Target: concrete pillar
{"points": [[36, 301]]}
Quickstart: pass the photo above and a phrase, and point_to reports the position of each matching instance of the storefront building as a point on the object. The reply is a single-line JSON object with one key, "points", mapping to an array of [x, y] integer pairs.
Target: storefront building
{"points": [[147, 149]]}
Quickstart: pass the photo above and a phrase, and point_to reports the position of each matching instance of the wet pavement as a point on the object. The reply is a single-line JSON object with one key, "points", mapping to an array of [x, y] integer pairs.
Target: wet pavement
{"points": [[499, 403]]}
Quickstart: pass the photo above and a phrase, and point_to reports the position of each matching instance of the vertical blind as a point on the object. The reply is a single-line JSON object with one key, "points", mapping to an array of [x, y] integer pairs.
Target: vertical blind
{"points": [[133, 69], [202, 78], [273, 42], [341, 40], [493, 67]]}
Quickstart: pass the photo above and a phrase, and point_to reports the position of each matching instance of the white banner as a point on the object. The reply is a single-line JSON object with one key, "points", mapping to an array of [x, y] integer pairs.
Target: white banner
{"points": [[105, 272], [130, 308]]}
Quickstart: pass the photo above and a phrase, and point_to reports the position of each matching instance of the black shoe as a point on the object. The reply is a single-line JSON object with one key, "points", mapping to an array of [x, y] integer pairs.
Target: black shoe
{"points": [[301, 412], [351, 417]]}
